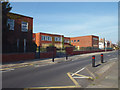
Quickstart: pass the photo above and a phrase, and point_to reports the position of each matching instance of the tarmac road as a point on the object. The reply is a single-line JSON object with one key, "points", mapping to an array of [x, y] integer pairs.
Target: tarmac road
{"points": [[50, 75]]}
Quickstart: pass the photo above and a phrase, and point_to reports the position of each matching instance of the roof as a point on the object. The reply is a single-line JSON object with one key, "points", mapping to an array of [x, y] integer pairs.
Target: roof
{"points": [[84, 36], [51, 34], [20, 15]]}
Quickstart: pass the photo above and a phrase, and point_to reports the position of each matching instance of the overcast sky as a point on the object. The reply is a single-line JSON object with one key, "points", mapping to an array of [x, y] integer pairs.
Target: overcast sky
{"points": [[72, 18]]}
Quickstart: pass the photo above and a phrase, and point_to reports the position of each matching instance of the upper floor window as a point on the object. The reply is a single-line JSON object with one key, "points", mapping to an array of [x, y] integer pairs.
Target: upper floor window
{"points": [[46, 38], [66, 41], [24, 26], [10, 24], [74, 40], [78, 40], [58, 39], [95, 38]]}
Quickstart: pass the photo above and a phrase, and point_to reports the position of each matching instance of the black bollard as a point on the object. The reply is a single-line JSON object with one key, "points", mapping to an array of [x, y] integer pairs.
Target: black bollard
{"points": [[93, 61], [66, 56], [102, 58], [53, 57], [38, 51]]}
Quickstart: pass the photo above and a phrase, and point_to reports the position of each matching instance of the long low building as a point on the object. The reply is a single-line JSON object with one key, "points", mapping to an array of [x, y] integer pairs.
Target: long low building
{"points": [[45, 40], [85, 41], [59, 41]]}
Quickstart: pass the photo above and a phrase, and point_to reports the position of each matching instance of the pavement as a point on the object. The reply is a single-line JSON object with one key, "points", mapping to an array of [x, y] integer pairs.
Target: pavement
{"points": [[43, 62], [103, 75], [58, 74], [108, 77]]}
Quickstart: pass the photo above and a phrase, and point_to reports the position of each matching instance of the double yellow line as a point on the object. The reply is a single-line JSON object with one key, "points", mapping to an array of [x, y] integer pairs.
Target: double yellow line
{"points": [[33, 88], [16, 67], [74, 81], [55, 87]]}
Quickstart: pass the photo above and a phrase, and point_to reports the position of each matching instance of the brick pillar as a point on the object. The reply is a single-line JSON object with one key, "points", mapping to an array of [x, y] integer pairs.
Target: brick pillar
{"points": [[69, 50]]}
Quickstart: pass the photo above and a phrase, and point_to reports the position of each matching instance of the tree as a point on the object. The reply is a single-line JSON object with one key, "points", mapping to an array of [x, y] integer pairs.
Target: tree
{"points": [[5, 10]]}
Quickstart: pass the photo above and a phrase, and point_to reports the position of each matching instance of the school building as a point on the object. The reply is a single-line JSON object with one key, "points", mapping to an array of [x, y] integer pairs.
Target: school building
{"points": [[85, 41], [44, 40], [18, 36], [59, 41]]}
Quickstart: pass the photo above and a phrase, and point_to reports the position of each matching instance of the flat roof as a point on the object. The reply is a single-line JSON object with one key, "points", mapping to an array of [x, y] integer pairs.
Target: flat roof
{"points": [[51, 34], [84, 36]]}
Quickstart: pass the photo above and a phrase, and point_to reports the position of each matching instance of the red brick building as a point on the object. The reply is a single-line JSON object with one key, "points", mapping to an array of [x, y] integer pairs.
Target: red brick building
{"points": [[59, 41], [18, 36], [85, 41], [45, 40]]}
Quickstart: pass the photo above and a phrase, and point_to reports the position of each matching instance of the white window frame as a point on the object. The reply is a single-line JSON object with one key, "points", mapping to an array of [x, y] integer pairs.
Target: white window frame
{"points": [[24, 28], [95, 38], [58, 39], [11, 23], [49, 38], [46, 38], [43, 39], [66, 41]]}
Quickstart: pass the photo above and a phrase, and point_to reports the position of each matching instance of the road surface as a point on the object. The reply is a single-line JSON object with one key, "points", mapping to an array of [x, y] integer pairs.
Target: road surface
{"points": [[50, 75]]}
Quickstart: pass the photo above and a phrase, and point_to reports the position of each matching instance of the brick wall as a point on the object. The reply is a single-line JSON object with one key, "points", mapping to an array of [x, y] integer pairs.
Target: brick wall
{"points": [[47, 55], [17, 57], [50, 52], [69, 51]]}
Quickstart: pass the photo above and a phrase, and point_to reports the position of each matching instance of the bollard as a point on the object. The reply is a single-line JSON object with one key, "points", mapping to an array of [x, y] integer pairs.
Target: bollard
{"points": [[53, 57], [38, 51], [93, 61], [66, 56], [102, 58]]}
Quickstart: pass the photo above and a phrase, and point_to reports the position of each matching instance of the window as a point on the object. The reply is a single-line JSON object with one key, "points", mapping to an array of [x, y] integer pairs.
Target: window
{"points": [[43, 38], [58, 39], [74, 40], [66, 41], [24, 26], [10, 24], [78, 40], [95, 38], [33, 38], [46, 38], [49, 38]]}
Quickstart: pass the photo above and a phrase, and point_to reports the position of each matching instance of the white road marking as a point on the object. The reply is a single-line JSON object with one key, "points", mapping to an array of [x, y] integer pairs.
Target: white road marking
{"points": [[113, 58], [78, 71], [108, 55], [80, 77]]}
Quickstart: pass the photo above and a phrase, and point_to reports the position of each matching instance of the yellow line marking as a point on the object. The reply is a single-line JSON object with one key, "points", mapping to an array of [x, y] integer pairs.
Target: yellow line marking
{"points": [[22, 65], [84, 76], [50, 87], [25, 88], [74, 81], [91, 73], [12, 67]]}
